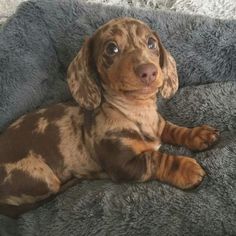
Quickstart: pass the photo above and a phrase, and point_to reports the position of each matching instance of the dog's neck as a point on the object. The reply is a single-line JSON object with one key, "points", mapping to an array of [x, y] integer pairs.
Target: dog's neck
{"points": [[138, 110]]}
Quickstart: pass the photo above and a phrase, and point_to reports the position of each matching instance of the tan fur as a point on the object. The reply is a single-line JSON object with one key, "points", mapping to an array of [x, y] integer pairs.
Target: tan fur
{"points": [[140, 146], [17, 123], [22, 199], [42, 125], [76, 156], [115, 132], [41, 111]]}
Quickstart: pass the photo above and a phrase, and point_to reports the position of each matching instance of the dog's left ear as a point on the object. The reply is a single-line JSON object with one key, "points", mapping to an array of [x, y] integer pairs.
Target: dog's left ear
{"points": [[168, 66]]}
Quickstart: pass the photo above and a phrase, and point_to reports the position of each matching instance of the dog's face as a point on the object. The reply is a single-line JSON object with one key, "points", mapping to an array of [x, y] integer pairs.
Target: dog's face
{"points": [[127, 55], [130, 61]]}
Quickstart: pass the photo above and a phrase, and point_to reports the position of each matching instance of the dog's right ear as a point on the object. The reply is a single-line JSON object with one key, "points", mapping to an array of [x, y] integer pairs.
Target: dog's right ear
{"points": [[81, 78], [168, 66]]}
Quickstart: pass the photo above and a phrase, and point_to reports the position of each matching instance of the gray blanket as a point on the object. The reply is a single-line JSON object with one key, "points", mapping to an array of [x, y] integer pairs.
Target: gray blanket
{"points": [[36, 46]]}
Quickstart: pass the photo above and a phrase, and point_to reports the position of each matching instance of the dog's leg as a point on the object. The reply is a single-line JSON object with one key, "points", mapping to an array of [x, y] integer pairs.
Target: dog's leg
{"points": [[197, 138], [15, 211], [180, 171], [123, 162], [27, 181]]}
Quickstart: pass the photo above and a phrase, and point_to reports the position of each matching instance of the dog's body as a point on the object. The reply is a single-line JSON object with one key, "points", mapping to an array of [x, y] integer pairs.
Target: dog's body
{"points": [[115, 133]]}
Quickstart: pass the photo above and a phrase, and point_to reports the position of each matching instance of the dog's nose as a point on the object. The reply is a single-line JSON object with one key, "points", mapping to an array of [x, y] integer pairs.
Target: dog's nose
{"points": [[146, 72]]}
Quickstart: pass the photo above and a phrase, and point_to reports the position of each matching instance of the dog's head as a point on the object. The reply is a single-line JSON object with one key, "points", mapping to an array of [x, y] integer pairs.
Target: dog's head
{"points": [[129, 60]]}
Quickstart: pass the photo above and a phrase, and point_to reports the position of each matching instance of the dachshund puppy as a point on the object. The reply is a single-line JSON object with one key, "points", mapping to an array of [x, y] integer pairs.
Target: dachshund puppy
{"points": [[112, 129]]}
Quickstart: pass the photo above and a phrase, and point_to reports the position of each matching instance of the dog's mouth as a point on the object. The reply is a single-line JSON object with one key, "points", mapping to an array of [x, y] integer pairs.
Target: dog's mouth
{"points": [[142, 91]]}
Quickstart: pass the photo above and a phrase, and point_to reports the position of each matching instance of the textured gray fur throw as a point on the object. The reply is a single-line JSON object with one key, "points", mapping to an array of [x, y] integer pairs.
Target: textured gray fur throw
{"points": [[36, 46]]}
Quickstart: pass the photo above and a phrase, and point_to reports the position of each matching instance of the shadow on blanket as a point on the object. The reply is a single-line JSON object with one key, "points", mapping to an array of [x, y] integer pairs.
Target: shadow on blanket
{"points": [[36, 46]]}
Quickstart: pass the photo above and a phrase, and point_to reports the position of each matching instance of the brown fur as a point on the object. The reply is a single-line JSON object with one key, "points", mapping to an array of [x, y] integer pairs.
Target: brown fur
{"points": [[116, 130]]}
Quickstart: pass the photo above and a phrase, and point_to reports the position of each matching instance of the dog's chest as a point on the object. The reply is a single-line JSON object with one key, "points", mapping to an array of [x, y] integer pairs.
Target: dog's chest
{"points": [[147, 126], [147, 122]]}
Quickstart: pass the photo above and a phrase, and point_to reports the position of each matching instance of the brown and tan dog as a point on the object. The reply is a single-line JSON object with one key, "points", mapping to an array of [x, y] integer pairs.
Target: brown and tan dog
{"points": [[115, 132]]}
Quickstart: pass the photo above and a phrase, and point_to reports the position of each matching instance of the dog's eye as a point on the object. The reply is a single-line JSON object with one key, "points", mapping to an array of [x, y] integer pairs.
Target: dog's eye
{"points": [[112, 49], [152, 43]]}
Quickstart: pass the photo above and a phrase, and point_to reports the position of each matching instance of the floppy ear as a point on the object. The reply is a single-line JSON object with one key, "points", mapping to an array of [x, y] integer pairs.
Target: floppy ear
{"points": [[168, 65], [81, 78]]}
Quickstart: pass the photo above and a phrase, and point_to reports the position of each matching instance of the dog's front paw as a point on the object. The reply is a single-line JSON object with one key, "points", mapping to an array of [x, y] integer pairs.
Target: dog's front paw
{"points": [[180, 171], [190, 174], [202, 137]]}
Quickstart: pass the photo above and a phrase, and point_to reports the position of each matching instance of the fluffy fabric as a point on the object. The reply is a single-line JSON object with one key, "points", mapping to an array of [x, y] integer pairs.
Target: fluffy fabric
{"points": [[36, 46], [223, 9]]}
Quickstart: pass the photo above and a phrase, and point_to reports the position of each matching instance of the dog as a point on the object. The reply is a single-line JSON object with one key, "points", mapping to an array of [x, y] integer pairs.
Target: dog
{"points": [[111, 130]]}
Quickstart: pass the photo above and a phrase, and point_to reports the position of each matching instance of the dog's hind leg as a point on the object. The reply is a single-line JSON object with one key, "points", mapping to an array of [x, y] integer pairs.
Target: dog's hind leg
{"points": [[27, 181]]}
